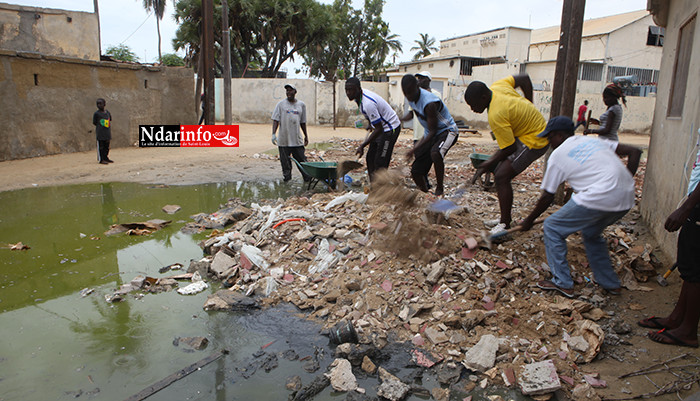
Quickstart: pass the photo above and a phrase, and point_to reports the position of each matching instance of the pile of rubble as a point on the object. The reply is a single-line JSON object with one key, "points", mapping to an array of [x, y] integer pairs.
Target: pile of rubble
{"points": [[399, 272]]}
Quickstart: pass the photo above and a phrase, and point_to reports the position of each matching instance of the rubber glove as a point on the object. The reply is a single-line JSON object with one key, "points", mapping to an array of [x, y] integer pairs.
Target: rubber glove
{"points": [[274, 139]]}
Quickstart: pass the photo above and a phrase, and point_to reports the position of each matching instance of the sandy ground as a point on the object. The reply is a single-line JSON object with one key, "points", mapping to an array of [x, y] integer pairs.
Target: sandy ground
{"points": [[179, 166]]}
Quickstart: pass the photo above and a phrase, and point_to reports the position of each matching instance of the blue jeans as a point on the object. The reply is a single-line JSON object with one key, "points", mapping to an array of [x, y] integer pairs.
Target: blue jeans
{"points": [[568, 220]]}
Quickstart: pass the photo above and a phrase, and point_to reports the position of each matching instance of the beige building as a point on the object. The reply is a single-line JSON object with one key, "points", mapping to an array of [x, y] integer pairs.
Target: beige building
{"points": [[675, 137], [614, 46], [49, 31]]}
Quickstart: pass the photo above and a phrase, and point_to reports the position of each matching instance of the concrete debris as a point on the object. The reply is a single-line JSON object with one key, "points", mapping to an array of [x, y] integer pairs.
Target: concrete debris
{"points": [[539, 378], [171, 209], [381, 264], [368, 366], [482, 356], [341, 376], [197, 343], [391, 388]]}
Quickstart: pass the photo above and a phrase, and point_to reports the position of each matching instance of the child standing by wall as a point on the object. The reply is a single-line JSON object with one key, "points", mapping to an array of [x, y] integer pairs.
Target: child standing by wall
{"points": [[102, 120]]}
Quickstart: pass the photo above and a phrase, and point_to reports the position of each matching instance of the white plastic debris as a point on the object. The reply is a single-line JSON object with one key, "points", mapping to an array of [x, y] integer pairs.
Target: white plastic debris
{"points": [[350, 196], [270, 285], [193, 288], [225, 239], [324, 259], [262, 210], [254, 255]]}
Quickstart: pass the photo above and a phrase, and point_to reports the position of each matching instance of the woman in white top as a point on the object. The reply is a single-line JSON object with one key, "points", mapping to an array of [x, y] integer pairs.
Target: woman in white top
{"points": [[612, 117]]}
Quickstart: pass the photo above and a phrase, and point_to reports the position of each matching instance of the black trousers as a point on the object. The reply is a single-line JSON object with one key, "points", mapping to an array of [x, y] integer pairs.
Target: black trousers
{"points": [[379, 152], [102, 150], [295, 151]]}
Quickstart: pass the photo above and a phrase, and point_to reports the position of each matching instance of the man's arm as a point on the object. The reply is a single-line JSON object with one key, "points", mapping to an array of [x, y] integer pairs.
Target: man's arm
{"points": [[604, 130], [95, 119], [523, 82], [633, 155], [676, 219], [407, 117], [378, 130], [542, 204], [306, 135], [499, 156]]}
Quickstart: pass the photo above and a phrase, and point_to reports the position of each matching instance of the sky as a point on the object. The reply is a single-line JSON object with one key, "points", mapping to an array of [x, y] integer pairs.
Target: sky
{"points": [[127, 22]]}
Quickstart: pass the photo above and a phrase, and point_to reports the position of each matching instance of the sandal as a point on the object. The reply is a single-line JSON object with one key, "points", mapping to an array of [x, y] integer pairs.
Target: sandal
{"points": [[651, 323], [548, 285], [664, 337]]}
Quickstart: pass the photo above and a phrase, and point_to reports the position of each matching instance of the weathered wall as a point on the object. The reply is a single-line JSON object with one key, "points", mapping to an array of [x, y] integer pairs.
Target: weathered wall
{"points": [[47, 103], [254, 99], [673, 140], [49, 31]]}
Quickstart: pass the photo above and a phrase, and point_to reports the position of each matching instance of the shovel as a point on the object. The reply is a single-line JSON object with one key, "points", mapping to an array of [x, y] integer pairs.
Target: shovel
{"points": [[347, 166]]}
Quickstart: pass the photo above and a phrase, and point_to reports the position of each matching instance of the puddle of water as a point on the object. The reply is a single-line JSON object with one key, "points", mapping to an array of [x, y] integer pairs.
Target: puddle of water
{"points": [[58, 345]]}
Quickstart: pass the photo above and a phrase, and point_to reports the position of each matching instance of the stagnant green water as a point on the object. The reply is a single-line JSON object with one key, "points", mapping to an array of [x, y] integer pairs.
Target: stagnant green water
{"points": [[57, 345]]}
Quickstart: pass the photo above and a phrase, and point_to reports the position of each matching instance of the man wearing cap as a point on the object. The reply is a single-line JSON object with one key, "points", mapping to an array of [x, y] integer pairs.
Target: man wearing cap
{"points": [[440, 134], [603, 193], [385, 123], [515, 123], [289, 116]]}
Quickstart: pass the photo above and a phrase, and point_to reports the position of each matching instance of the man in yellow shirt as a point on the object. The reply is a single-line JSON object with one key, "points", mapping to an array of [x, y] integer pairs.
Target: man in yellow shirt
{"points": [[515, 122]]}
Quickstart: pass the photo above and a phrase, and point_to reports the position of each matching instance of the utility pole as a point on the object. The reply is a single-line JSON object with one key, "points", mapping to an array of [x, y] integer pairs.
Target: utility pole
{"points": [[568, 55], [99, 34], [208, 60], [227, 62], [566, 70]]}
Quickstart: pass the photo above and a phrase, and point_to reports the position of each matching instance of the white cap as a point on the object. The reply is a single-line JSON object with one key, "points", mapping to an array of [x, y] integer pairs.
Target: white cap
{"points": [[426, 74], [290, 86]]}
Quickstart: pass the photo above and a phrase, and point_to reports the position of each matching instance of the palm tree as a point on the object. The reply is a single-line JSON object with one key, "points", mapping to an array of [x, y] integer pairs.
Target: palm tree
{"points": [[158, 8], [389, 43], [426, 45]]}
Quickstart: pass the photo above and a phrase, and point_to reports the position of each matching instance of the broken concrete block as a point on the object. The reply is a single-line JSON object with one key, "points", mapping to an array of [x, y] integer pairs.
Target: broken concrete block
{"points": [[441, 394], [436, 271], [221, 264], [197, 343], [472, 319], [391, 388], [578, 343], [539, 378], [367, 365], [304, 234], [482, 356], [171, 209], [341, 375], [435, 336]]}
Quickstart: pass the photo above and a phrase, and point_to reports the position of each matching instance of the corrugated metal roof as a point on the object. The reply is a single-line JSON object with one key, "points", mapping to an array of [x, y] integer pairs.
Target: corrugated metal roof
{"points": [[591, 27]]}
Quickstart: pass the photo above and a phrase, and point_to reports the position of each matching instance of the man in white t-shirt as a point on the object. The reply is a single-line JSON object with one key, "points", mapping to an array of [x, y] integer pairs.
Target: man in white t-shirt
{"points": [[603, 193], [385, 126], [289, 116]]}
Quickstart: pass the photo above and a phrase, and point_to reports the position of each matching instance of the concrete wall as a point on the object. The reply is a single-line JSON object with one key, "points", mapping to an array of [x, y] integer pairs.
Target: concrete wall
{"points": [[628, 46], [47, 102], [49, 31], [254, 99], [673, 139]]}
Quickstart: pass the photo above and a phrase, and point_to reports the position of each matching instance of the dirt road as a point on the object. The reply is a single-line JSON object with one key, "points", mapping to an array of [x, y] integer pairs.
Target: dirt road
{"points": [[180, 166]]}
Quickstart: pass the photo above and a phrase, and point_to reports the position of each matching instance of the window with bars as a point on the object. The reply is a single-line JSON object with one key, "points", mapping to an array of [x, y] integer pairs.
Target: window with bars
{"points": [[466, 65], [590, 72]]}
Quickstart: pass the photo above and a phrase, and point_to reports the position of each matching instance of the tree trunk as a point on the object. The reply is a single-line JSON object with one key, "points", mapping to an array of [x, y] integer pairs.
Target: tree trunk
{"points": [[160, 56]]}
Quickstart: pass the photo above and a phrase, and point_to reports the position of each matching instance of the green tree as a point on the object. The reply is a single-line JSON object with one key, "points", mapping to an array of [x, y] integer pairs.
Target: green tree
{"points": [[262, 32], [122, 52], [425, 46], [172, 60], [358, 42], [158, 8]]}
